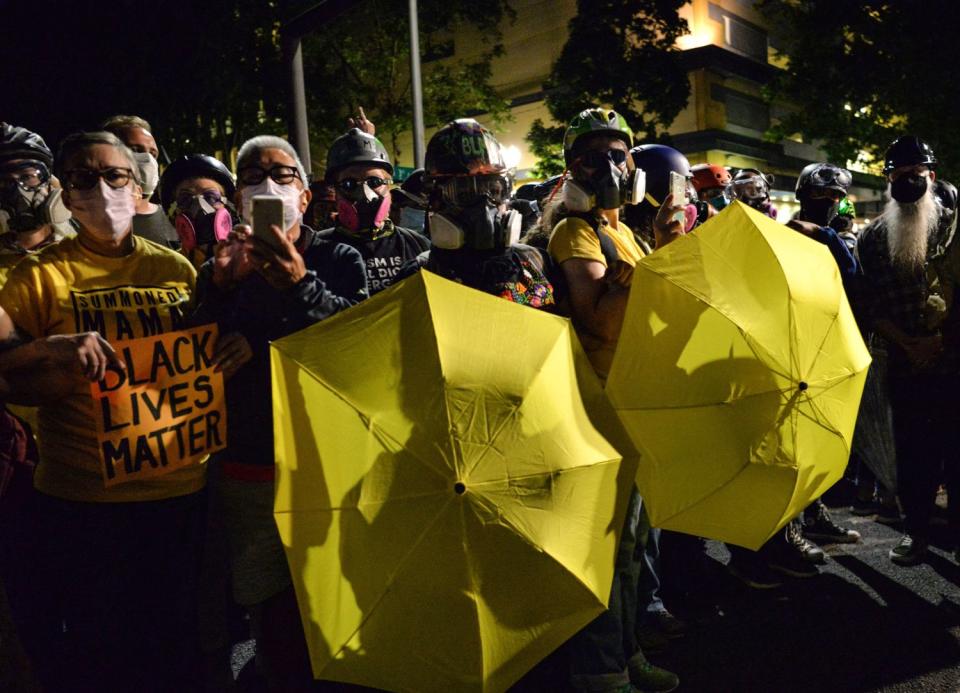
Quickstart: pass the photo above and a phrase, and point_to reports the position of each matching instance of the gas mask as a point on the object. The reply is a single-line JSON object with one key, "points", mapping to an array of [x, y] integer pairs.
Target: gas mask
{"points": [[616, 190], [361, 208], [201, 224], [149, 172], [25, 207], [907, 189], [481, 226]]}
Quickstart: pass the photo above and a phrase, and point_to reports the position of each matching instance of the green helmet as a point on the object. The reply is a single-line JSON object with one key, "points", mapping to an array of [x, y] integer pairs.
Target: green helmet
{"points": [[594, 121], [846, 208]]}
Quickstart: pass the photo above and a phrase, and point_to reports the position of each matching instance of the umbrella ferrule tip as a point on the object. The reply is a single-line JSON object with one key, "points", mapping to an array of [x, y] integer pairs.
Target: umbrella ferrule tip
{"points": [[803, 386], [459, 488]]}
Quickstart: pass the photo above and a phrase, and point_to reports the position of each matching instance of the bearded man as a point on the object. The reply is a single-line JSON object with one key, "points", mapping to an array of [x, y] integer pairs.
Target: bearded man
{"points": [[907, 305]]}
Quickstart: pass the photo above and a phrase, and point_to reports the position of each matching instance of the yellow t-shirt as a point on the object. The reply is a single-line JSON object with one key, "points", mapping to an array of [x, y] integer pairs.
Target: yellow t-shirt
{"points": [[65, 289], [575, 238]]}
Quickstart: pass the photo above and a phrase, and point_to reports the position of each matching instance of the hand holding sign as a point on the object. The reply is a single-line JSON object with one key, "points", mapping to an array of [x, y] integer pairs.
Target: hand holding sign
{"points": [[88, 351], [281, 268]]}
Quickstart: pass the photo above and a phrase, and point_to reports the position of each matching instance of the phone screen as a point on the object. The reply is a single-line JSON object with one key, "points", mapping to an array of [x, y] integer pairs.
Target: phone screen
{"points": [[678, 188], [267, 211]]}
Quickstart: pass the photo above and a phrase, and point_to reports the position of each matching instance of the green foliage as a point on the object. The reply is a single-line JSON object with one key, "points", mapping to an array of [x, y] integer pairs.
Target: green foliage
{"points": [[862, 72], [621, 54], [363, 59], [235, 91]]}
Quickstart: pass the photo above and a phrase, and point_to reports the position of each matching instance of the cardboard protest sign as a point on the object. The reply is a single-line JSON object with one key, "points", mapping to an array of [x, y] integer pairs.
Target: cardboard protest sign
{"points": [[166, 411]]}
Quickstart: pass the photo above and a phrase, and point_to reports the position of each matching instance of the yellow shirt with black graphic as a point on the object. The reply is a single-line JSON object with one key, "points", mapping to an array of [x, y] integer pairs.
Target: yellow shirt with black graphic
{"points": [[65, 289]]}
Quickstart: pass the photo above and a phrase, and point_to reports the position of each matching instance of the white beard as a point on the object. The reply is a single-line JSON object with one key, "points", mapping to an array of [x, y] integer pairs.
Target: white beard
{"points": [[909, 227]]}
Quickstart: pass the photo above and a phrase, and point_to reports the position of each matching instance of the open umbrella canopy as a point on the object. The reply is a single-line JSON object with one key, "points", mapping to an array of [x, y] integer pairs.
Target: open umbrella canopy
{"points": [[738, 374], [449, 509]]}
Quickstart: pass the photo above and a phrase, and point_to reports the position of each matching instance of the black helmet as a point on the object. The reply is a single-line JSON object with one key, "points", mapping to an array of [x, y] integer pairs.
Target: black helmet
{"points": [[823, 176], [356, 147], [657, 161], [464, 147], [194, 166], [20, 143], [908, 150]]}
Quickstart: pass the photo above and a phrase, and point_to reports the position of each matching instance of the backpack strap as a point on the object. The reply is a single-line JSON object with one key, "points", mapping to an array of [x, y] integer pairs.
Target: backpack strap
{"points": [[607, 247]]}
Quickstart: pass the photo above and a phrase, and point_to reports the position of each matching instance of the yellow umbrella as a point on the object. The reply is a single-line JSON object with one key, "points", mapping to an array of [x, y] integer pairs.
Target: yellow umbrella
{"points": [[449, 510], [738, 374]]}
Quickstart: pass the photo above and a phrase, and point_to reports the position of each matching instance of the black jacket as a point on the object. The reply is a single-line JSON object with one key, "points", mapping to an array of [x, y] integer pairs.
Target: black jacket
{"points": [[335, 280]]}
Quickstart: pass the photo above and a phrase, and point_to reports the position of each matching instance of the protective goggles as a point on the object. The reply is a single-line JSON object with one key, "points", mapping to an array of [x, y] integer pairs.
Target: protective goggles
{"points": [[87, 179], [283, 175], [596, 158], [350, 185], [464, 191], [753, 188], [830, 177], [27, 175], [211, 197]]}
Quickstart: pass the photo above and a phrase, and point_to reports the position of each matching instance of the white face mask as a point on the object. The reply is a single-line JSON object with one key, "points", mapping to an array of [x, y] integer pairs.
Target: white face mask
{"points": [[106, 213], [149, 172], [289, 193]]}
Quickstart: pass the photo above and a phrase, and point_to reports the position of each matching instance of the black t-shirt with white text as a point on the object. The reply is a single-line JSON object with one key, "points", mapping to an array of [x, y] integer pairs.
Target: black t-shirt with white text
{"points": [[384, 255]]}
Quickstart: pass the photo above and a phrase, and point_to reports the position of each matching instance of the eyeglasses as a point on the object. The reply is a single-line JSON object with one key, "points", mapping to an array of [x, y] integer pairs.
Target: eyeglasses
{"points": [[87, 179], [27, 176], [596, 158], [349, 185], [464, 191], [284, 175], [211, 197]]}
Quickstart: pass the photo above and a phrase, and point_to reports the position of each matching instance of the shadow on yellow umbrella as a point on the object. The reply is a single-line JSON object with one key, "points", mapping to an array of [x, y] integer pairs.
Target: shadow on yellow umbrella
{"points": [[738, 374], [449, 510]]}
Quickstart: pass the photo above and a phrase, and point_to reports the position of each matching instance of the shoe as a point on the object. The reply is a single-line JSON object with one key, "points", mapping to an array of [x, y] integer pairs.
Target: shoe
{"points": [[824, 529], [755, 574], [888, 514], [909, 551], [793, 555], [864, 508], [669, 625], [807, 549], [649, 677]]}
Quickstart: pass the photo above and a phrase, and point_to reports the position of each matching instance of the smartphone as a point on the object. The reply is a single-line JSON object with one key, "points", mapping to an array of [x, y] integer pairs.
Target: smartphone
{"points": [[678, 188], [267, 211]]}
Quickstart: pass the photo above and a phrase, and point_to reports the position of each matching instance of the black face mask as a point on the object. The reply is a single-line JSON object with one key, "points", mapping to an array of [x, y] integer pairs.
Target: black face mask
{"points": [[908, 189], [820, 211]]}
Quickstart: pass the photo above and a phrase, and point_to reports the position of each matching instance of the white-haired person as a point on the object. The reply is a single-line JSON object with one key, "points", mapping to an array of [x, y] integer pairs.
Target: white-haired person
{"points": [[266, 291]]}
